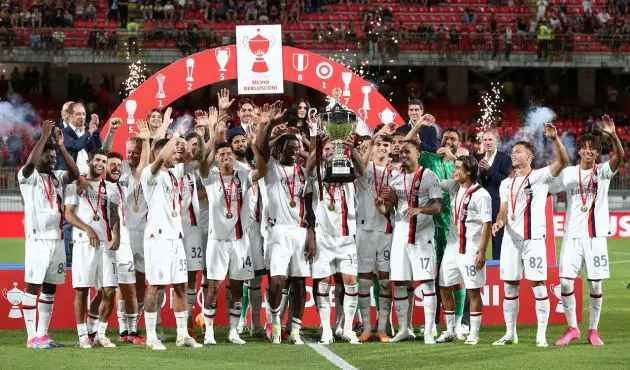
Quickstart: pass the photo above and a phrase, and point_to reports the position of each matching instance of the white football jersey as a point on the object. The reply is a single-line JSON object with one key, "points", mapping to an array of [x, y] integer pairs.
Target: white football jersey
{"points": [[335, 213], [134, 200], [122, 211], [164, 199], [470, 209], [368, 218], [595, 221], [415, 190], [228, 221], [93, 203], [204, 209], [190, 197], [528, 196], [43, 204], [286, 187], [253, 196]]}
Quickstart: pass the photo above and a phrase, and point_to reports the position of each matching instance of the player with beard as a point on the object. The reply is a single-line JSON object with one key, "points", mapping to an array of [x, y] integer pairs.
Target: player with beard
{"points": [[416, 193], [336, 248], [227, 185], [523, 201], [374, 237], [165, 258], [44, 264], [291, 239], [124, 268], [587, 227], [465, 256], [93, 213]]}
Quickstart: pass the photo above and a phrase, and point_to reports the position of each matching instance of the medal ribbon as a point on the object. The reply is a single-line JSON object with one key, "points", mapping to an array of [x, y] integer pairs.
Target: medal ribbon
{"points": [[583, 194], [458, 209], [228, 199], [416, 176], [136, 196], [331, 189], [513, 197], [176, 185], [290, 186], [48, 190], [378, 188], [101, 185]]}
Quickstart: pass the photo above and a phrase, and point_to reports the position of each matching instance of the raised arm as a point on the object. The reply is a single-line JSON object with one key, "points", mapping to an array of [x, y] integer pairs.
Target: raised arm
{"points": [[562, 158], [144, 134], [265, 126], [166, 121], [425, 120], [359, 167], [114, 124], [165, 153], [72, 173], [38, 149], [608, 126]]}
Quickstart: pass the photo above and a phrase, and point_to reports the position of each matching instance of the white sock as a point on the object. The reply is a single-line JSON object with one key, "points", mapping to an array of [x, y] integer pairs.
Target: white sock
{"points": [[568, 301], [323, 304], [430, 305], [267, 307], [365, 304], [150, 322], [132, 320], [475, 323], [101, 329], [401, 305], [296, 325], [190, 300], [275, 316], [122, 316], [29, 310], [412, 303], [82, 330], [595, 303], [181, 321], [458, 323], [92, 323], [350, 302], [208, 318], [542, 309], [255, 300], [44, 308], [384, 305], [235, 317], [449, 316], [510, 308]]}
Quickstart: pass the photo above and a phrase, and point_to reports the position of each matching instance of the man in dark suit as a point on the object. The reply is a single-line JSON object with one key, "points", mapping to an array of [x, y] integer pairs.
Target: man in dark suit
{"points": [[494, 166], [78, 139], [428, 134]]}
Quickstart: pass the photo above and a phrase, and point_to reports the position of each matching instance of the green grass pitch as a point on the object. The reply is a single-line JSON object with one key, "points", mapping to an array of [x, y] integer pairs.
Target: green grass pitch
{"points": [[614, 328]]}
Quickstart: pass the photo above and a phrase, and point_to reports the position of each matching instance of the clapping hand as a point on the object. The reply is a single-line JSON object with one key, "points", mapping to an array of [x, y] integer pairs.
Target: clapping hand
{"points": [[57, 141], [143, 130], [93, 126]]}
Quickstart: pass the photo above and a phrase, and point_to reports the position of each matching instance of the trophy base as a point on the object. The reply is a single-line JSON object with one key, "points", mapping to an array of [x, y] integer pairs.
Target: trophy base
{"points": [[339, 174]]}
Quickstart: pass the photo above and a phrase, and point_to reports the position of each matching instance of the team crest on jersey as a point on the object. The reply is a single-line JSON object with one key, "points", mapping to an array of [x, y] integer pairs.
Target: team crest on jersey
{"points": [[123, 183]]}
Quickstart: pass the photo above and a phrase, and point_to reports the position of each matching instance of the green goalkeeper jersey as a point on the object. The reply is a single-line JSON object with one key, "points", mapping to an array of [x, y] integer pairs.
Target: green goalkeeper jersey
{"points": [[443, 171]]}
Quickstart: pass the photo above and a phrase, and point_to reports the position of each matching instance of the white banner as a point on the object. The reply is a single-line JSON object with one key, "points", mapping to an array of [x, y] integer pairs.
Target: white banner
{"points": [[259, 59]]}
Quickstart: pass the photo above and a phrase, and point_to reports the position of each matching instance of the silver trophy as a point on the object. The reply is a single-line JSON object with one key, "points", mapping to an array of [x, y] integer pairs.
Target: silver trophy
{"points": [[338, 122]]}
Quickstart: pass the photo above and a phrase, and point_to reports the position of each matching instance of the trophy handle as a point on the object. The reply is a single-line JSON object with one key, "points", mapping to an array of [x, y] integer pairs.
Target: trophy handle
{"points": [[245, 39], [4, 293], [312, 112], [227, 50], [271, 41]]}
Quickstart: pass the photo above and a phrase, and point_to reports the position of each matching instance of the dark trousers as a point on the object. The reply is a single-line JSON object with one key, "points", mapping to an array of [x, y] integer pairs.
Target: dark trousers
{"points": [[542, 49]]}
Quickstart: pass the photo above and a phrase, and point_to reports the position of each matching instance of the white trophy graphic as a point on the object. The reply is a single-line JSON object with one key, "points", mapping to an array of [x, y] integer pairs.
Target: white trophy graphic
{"points": [[222, 56], [387, 116], [190, 67], [160, 80], [557, 291], [130, 107], [366, 90], [14, 296], [346, 77]]}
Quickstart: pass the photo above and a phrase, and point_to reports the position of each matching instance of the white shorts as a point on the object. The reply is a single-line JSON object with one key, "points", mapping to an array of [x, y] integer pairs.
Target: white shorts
{"points": [[203, 231], [459, 268], [286, 251], [136, 239], [528, 256], [589, 252], [229, 258], [44, 261], [87, 266], [256, 247], [373, 249], [334, 254], [193, 248], [165, 261], [125, 267], [412, 262]]}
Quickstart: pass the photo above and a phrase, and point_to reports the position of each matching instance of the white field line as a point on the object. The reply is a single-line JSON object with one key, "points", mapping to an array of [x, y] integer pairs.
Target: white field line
{"points": [[329, 355]]}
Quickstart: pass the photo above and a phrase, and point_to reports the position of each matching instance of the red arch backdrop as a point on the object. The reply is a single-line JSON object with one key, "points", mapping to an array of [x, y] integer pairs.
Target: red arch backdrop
{"points": [[219, 64]]}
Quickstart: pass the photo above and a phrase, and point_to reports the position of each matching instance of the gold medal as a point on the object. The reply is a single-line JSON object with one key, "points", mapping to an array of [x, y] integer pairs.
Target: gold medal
{"points": [[136, 209], [292, 204], [228, 215], [331, 207], [584, 209], [96, 218], [513, 217], [173, 214]]}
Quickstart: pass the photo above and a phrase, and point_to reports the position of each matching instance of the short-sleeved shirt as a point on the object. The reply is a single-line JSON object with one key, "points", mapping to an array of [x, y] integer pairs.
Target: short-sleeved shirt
{"points": [[43, 204], [190, 197], [526, 198], [367, 187], [134, 202], [163, 195], [593, 194], [92, 207], [286, 188], [415, 190], [335, 214]]}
